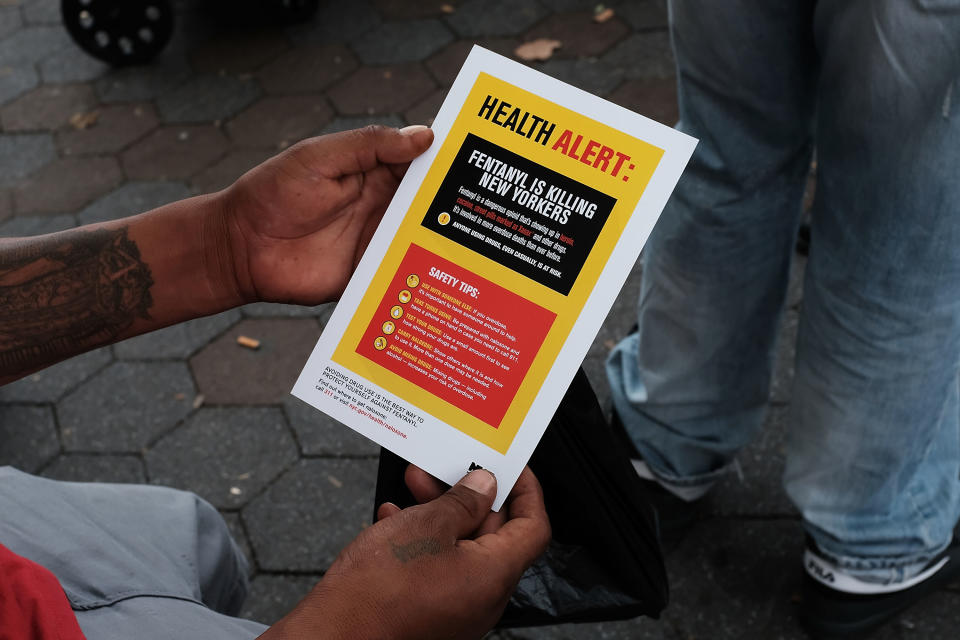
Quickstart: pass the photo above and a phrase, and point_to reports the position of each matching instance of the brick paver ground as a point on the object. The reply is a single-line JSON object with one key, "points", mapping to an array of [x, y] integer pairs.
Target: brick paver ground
{"points": [[188, 408]]}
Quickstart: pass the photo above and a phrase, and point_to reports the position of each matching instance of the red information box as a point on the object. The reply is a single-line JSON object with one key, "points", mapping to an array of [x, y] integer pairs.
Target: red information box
{"points": [[461, 337]]}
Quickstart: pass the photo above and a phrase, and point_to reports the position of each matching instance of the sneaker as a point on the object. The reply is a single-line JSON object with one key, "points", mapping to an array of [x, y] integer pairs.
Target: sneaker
{"points": [[835, 604], [677, 508]]}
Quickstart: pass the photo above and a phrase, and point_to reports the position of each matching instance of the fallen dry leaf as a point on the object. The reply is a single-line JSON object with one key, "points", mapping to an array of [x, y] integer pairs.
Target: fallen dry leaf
{"points": [[337, 482], [81, 121], [539, 49], [447, 8], [603, 15], [198, 400]]}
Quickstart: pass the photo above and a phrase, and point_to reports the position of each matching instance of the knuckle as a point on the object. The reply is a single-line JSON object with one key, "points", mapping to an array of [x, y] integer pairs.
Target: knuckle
{"points": [[371, 132], [461, 504]]}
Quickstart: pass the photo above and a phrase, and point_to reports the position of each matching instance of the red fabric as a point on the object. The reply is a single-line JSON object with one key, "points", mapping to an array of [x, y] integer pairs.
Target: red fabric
{"points": [[33, 605]]}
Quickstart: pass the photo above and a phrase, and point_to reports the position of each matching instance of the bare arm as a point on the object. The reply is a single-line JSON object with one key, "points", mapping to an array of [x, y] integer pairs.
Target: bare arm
{"points": [[290, 230]]}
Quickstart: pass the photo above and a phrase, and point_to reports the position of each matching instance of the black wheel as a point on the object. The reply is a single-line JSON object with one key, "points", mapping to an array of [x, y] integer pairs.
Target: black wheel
{"points": [[120, 32], [290, 11]]}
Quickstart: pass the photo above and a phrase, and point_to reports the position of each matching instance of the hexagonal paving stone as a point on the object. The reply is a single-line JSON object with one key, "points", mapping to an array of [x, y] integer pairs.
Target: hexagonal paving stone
{"points": [[358, 122], [406, 41], [797, 274], [72, 65], [80, 467], [207, 98], [580, 35], [655, 98], [15, 81], [21, 155], [736, 579], [30, 45], [278, 122], [237, 52], [23, 226], [116, 127], [225, 172], [42, 12], [336, 22], [644, 15], [273, 596], [307, 69], [321, 435], [589, 74], [426, 110], [29, 437], [378, 90], [49, 385], [406, 10], [66, 185], [276, 310], [6, 204], [445, 66], [239, 535], [495, 17], [637, 629], [47, 107], [227, 373], [174, 153], [756, 490], [142, 83], [133, 198], [782, 383], [226, 455], [307, 516], [10, 20], [643, 55], [176, 341], [126, 406]]}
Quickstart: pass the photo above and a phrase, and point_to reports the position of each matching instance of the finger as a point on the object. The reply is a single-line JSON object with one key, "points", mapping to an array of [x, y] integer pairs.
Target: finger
{"points": [[422, 485], [526, 533], [492, 523], [458, 512], [386, 510], [359, 150]]}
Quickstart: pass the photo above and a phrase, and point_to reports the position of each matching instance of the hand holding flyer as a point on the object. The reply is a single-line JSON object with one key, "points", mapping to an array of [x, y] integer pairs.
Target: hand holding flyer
{"points": [[492, 270]]}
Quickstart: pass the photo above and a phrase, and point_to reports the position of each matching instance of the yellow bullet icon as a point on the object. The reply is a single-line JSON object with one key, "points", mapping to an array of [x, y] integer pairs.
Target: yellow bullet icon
{"points": [[396, 312], [444, 218], [404, 296], [388, 327], [413, 280], [380, 343]]}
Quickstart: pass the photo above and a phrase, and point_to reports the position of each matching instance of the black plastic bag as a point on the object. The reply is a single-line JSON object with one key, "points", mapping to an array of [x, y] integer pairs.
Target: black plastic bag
{"points": [[604, 562]]}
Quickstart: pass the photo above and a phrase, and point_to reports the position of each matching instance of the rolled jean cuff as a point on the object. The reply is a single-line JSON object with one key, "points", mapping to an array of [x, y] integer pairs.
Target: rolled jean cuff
{"points": [[687, 488], [883, 570]]}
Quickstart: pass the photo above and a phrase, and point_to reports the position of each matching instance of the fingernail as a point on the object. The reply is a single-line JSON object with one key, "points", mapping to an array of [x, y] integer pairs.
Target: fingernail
{"points": [[412, 129], [481, 481]]}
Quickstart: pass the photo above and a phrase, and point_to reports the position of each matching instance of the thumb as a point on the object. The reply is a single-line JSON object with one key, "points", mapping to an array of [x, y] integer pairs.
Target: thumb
{"points": [[462, 509], [363, 149]]}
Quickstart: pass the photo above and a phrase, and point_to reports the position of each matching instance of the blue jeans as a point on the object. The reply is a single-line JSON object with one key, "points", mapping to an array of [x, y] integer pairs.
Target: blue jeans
{"points": [[873, 455]]}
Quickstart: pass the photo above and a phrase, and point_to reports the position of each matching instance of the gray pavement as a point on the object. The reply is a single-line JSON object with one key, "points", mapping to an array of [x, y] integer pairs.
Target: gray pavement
{"points": [[187, 408]]}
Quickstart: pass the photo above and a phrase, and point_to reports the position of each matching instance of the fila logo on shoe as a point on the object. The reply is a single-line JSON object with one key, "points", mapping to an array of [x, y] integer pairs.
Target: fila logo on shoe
{"points": [[820, 573]]}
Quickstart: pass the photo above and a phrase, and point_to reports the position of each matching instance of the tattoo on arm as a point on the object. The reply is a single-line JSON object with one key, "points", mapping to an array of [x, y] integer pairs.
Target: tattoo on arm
{"points": [[413, 550], [67, 293]]}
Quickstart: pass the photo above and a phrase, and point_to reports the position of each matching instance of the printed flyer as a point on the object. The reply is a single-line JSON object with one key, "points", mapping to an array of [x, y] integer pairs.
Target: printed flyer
{"points": [[492, 270]]}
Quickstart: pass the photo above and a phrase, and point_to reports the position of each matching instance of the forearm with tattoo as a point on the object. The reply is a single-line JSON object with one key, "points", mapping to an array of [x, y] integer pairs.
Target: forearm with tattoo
{"points": [[66, 293]]}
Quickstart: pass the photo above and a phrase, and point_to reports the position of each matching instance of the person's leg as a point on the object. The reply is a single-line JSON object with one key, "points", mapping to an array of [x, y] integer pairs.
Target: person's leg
{"points": [[874, 450], [692, 384], [134, 561]]}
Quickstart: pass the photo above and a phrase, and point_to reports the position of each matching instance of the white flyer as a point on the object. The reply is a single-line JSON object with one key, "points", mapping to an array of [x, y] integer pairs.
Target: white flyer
{"points": [[492, 270]]}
